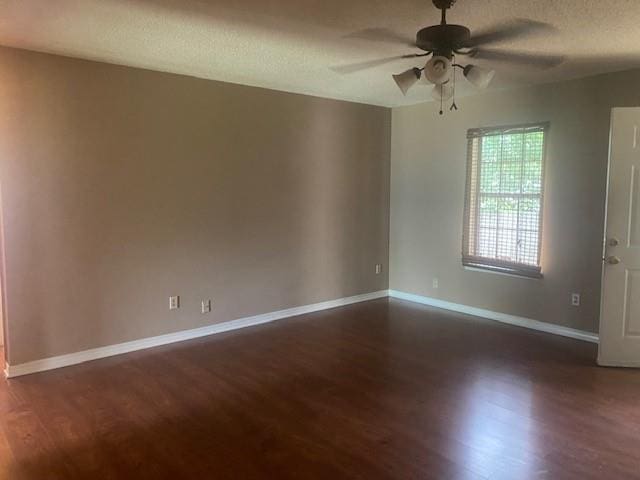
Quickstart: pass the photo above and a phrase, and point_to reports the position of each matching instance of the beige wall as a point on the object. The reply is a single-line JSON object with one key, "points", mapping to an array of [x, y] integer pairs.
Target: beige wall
{"points": [[427, 194], [121, 187]]}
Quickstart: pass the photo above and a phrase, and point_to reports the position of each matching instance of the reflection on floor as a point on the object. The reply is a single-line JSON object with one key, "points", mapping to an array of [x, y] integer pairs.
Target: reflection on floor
{"points": [[379, 390]]}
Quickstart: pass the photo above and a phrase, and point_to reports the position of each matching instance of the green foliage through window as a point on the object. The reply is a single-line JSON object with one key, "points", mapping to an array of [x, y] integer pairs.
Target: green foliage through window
{"points": [[504, 195]]}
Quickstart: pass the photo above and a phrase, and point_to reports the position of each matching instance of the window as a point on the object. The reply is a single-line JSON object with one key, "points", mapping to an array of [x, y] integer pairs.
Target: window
{"points": [[503, 205]]}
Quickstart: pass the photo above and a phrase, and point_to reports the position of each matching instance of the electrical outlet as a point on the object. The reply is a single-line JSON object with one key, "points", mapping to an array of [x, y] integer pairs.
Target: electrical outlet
{"points": [[174, 302], [575, 299], [378, 268], [435, 283], [206, 306]]}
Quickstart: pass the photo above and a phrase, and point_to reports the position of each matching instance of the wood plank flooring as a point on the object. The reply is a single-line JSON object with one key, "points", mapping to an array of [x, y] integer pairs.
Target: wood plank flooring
{"points": [[378, 390]]}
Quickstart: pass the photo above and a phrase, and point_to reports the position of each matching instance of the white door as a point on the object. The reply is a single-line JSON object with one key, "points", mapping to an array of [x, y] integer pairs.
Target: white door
{"points": [[620, 310]]}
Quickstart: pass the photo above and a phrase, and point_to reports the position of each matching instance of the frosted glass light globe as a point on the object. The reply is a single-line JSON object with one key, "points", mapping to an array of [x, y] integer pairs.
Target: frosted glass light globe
{"points": [[438, 70]]}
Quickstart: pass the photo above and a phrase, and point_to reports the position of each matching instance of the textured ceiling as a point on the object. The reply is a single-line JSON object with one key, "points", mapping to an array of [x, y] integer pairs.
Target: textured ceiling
{"points": [[291, 45]]}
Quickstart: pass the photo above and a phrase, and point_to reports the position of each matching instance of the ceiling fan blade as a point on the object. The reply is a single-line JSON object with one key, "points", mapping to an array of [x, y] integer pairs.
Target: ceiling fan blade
{"points": [[359, 66], [383, 35], [513, 29], [522, 58]]}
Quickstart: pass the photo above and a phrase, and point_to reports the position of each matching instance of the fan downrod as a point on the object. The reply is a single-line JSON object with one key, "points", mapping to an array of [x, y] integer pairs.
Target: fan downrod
{"points": [[443, 5]]}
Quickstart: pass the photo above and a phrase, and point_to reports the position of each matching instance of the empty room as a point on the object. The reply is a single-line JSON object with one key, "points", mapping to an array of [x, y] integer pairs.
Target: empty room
{"points": [[300, 239]]}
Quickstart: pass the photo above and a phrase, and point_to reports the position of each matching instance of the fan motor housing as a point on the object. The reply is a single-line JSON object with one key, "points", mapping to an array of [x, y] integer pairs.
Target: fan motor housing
{"points": [[443, 39]]}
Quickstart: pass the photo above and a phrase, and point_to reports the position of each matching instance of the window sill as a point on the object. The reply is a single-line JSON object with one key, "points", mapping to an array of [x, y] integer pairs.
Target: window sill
{"points": [[505, 274]]}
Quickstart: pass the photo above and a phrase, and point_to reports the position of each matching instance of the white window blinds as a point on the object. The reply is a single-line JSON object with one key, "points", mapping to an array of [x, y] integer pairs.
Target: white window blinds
{"points": [[504, 194]]}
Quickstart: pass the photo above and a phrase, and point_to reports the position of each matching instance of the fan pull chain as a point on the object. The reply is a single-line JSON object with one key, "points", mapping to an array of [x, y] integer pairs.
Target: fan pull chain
{"points": [[440, 99], [453, 103]]}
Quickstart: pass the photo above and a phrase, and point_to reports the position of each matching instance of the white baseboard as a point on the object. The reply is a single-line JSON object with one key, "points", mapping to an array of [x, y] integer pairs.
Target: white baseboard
{"points": [[499, 317], [51, 363], [607, 363]]}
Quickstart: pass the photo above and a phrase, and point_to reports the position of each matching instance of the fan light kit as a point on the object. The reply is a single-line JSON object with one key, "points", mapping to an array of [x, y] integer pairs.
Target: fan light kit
{"points": [[439, 71], [444, 42], [447, 42]]}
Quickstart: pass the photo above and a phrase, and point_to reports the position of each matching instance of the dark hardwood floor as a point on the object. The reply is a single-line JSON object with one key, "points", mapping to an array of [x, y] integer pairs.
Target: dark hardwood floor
{"points": [[378, 390]]}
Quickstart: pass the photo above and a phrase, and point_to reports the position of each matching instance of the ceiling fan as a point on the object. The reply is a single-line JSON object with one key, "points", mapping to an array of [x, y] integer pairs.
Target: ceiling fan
{"points": [[444, 42]]}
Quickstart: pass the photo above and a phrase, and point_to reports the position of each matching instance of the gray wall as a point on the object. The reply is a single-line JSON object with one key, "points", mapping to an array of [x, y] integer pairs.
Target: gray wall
{"points": [[121, 187], [428, 158]]}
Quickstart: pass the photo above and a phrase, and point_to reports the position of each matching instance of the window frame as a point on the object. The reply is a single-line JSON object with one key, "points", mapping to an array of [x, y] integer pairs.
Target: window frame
{"points": [[474, 146]]}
